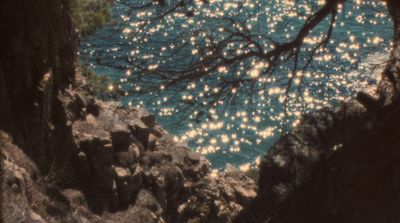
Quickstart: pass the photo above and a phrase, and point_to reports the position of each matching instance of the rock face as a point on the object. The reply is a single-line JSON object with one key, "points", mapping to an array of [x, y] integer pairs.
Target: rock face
{"points": [[26, 195], [127, 169], [38, 55], [66, 156], [124, 158], [69, 157], [337, 166]]}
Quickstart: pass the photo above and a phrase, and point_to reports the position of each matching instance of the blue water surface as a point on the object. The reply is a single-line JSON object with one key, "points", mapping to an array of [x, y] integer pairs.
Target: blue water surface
{"points": [[361, 32]]}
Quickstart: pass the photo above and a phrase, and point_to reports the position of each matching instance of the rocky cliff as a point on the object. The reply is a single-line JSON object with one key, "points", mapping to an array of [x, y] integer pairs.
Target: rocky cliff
{"points": [[68, 157], [340, 164], [37, 54], [337, 166], [125, 168]]}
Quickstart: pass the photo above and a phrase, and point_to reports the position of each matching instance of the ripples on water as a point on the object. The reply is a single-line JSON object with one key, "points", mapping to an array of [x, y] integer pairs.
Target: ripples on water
{"points": [[241, 132]]}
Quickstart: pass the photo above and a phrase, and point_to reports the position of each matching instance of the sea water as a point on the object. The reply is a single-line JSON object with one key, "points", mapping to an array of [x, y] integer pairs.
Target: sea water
{"points": [[243, 131]]}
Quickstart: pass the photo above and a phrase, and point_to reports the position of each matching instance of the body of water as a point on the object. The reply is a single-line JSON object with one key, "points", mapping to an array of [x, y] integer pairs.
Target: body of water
{"points": [[238, 129]]}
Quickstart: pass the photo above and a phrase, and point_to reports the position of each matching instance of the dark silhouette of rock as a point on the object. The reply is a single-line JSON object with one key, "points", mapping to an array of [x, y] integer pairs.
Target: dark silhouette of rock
{"points": [[336, 166]]}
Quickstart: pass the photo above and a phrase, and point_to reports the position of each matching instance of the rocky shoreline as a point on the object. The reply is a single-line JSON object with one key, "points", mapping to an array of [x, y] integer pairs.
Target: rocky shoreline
{"points": [[128, 169], [67, 156]]}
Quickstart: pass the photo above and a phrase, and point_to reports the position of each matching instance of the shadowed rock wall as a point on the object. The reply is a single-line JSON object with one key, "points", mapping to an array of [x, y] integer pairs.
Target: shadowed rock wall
{"points": [[37, 60]]}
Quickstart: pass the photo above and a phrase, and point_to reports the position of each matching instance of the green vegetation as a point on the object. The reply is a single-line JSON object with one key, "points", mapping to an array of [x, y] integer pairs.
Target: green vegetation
{"points": [[88, 15], [99, 83]]}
